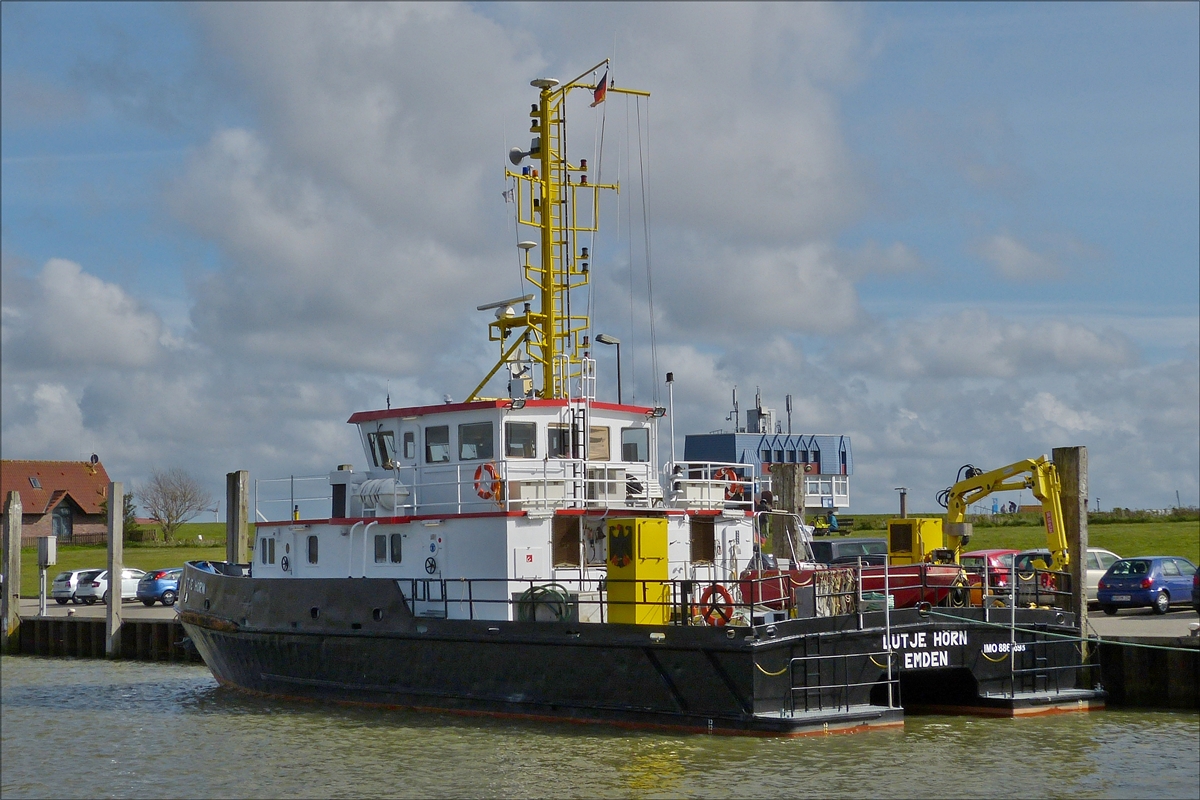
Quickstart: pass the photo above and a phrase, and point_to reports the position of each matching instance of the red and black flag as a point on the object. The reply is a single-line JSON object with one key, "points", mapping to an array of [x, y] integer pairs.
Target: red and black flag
{"points": [[600, 90]]}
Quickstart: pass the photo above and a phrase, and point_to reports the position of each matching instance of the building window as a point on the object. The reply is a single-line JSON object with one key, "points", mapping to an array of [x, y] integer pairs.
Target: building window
{"points": [[63, 521], [35, 482], [558, 441], [380, 548], [598, 444], [383, 447], [766, 456], [437, 444], [778, 456], [397, 541], [475, 441], [410, 446], [635, 444], [312, 549], [791, 456], [520, 439]]}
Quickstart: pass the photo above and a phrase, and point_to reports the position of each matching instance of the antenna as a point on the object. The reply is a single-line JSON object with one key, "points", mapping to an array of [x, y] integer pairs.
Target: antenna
{"points": [[389, 394], [788, 402], [734, 415]]}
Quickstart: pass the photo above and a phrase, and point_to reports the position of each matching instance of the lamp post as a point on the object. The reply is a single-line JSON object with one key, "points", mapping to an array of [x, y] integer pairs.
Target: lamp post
{"points": [[604, 338]]}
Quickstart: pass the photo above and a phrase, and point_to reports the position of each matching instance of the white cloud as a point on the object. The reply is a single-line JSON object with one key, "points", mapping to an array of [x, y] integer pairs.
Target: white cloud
{"points": [[975, 344], [74, 319], [1013, 260]]}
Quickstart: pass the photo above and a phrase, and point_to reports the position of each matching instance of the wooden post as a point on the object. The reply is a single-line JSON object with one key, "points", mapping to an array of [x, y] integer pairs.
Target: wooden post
{"points": [[788, 493], [1071, 463], [11, 600], [116, 558], [237, 511]]}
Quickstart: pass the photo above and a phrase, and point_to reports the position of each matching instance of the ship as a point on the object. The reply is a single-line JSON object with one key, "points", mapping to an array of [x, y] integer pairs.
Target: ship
{"points": [[536, 556]]}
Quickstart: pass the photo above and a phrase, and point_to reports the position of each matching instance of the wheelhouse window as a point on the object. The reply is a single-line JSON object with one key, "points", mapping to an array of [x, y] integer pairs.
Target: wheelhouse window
{"points": [[558, 441], [475, 441], [397, 540], [267, 550], [410, 446], [381, 543], [520, 439], [437, 444], [635, 444], [312, 549], [598, 444], [383, 447]]}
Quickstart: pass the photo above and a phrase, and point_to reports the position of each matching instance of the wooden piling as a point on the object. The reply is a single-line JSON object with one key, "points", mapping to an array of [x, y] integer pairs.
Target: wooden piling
{"points": [[237, 510], [116, 558], [11, 600], [1071, 464]]}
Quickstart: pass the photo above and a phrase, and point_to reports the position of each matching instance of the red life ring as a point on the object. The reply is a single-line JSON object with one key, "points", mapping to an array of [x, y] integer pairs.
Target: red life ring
{"points": [[716, 612], [487, 481], [734, 489]]}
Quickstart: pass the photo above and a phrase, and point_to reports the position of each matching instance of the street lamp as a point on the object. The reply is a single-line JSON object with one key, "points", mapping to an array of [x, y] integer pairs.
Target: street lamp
{"points": [[604, 338]]}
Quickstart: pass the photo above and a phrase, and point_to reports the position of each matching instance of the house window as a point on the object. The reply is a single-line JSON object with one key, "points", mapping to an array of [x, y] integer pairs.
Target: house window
{"points": [[766, 456], [635, 444], [383, 447], [475, 441], [598, 444], [791, 456], [520, 439], [778, 456], [312, 549], [558, 441], [397, 541], [381, 544], [35, 482], [62, 522], [437, 444], [410, 445]]}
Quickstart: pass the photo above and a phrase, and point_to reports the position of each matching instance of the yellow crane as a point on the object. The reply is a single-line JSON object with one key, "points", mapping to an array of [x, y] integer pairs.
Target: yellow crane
{"points": [[926, 539]]}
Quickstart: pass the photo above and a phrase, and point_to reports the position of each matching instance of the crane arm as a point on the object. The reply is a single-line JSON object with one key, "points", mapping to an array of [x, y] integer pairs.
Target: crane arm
{"points": [[1036, 474]]}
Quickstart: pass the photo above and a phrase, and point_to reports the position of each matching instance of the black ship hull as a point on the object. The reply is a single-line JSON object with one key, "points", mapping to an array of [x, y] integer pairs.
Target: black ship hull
{"points": [[357, 641]]}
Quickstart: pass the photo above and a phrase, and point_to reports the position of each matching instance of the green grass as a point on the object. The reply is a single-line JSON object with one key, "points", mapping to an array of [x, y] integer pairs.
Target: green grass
{"points": [[195, 541], [1133, 538]]}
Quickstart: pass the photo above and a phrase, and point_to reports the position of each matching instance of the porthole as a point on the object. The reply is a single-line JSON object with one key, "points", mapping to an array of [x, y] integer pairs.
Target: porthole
{"points": [[314, 612], [377, 614]]}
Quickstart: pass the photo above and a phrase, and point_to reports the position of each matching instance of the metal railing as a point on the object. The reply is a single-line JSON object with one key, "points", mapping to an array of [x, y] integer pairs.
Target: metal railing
{"points": [[307, 497]]}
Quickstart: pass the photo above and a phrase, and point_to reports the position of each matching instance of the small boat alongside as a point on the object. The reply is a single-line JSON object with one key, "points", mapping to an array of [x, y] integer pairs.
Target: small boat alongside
{"points": [[535, 555]]}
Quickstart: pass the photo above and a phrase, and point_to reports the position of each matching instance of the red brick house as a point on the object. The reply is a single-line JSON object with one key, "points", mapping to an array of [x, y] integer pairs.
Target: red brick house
{"points": [[58, 498]]}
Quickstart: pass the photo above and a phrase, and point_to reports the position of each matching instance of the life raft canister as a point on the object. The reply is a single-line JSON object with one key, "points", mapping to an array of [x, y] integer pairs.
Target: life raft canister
{"points": [[487, 481]]}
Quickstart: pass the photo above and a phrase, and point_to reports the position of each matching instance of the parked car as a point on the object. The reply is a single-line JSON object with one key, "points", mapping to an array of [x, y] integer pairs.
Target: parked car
{"points": [[97, 587], [1196, 592], [1098, 562], [66, 583], [849, 549], [1155, 581], [83, 586], [159, 585], [997, 562]]}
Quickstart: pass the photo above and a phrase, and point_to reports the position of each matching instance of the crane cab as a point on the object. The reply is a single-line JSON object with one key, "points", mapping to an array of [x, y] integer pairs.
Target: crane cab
{"points": [[916, 540]]}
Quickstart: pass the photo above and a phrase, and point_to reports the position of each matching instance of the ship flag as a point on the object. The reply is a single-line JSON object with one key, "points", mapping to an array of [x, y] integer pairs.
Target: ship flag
{"points": [[600, 90]]}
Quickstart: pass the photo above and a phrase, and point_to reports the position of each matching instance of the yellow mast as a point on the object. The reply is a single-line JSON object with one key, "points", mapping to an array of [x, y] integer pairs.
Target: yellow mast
{"points": [[556, 198]]}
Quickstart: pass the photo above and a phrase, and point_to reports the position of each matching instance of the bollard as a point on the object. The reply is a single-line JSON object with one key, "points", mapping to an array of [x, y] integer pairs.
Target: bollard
{"points": [[237, 511], [1071, 464], [11, 600], [116, 557]]}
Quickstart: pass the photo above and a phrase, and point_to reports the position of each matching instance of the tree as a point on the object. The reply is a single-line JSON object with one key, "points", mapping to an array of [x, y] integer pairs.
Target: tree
{"points": [[172, 498], [130, 514]]}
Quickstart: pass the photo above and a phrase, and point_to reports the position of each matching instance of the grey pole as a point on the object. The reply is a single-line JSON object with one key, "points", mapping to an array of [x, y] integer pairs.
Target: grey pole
{"points": [[116, 557], [11, 600], [237, 510], [1071, 464]]}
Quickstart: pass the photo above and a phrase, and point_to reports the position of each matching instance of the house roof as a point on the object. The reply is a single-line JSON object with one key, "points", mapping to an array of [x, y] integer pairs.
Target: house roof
{"points": [[85, 484]]}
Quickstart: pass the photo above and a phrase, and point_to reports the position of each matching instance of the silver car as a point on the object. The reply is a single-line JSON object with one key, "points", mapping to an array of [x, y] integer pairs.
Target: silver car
{"points": [[97, 588], [1098, 562], [66, 583]]}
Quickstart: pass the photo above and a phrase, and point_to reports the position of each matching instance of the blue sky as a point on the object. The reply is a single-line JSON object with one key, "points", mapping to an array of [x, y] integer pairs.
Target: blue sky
{"points": [[957, 232]]}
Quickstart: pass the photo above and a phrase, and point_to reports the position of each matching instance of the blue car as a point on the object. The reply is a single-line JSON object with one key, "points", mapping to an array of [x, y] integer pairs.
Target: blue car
{"points": [[159, 585], [1155, 581]]}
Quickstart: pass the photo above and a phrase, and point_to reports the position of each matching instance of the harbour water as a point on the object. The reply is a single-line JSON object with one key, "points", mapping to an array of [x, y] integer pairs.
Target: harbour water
{"points": [[92, 728]]}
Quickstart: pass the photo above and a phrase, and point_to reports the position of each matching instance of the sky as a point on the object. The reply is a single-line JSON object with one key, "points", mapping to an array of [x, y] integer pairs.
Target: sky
{"points": [[958, 233]]}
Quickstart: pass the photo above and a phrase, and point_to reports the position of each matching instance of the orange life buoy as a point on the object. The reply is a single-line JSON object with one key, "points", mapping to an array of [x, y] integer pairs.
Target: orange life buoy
{"points": [[487, 481], [734, 489], [716, 612]]}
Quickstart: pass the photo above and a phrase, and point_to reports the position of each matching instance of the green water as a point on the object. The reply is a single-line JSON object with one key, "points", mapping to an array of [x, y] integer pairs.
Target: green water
{"points": [[91, 728]]}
